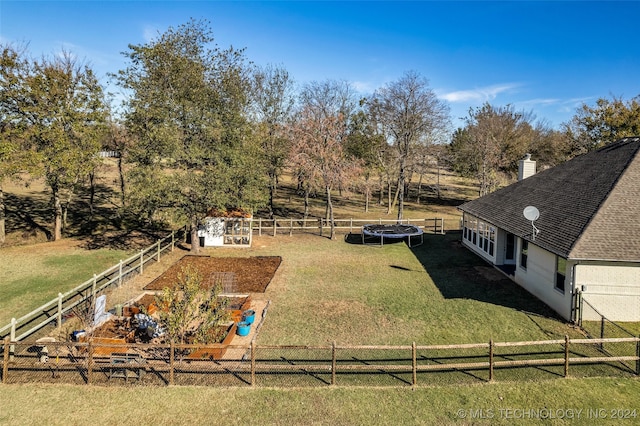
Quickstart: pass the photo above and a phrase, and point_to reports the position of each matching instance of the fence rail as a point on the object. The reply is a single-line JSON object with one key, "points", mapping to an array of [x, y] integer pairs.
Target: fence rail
{"points": [[55, 310], [346, 365], [320, 225]]}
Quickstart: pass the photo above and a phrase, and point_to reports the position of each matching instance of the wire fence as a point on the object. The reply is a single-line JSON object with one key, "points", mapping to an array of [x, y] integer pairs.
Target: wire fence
{"points": [[314, 366], [597, 326]]}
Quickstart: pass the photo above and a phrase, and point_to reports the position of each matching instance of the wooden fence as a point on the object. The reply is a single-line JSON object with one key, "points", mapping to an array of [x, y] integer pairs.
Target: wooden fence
{"points": [[264, 365], [55, 310], [321, 225]]}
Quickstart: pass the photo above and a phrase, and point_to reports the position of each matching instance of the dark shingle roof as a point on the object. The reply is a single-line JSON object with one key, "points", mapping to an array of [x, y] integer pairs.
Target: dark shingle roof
{"points": [[589, 206]]}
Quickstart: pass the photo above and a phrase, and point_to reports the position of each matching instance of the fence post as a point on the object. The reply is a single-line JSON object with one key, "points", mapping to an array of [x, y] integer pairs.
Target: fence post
{"points": [[291, 227], [414, 360], [93, 288], [260, 226], [320, 225], [333, 363], [120, 273], [159, 242], [275, 224], [173, 240], [435, 225], [441, 225], [253, 363], [638, 356], [171, 361], [59, 314], [141, 261], [5, 360], [491, 360], [12, 335], [350, 225], [602, 331], [566, 355], [90, 362]]}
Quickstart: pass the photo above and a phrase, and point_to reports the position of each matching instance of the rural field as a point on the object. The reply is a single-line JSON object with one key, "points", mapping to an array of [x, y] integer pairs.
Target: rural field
{"points": [[324, 291]]}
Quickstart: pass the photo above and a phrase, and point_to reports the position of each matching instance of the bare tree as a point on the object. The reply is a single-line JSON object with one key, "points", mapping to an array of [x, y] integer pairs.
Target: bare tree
{"points": [[319, 153], [329, 103], [410, 114], [328, 98]]}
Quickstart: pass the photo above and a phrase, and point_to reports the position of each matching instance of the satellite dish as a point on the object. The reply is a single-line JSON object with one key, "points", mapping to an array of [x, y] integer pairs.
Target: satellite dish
{"points": [[531, 213]]}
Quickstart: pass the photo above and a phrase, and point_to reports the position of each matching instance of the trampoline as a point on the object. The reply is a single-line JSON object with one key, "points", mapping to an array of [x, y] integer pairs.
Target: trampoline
{"points": [[396, 231]]}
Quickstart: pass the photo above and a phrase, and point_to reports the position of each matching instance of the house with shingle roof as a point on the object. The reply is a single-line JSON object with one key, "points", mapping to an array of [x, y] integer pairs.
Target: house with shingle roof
{"points": [[585, 240]]}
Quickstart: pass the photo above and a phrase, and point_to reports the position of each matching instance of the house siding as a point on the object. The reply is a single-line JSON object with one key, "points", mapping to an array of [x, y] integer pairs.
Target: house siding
{"points": [[613, 289], [539, 279]]}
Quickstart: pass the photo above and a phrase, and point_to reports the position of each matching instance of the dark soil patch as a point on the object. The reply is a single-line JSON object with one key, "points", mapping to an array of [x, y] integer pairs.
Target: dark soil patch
{"points": [[252, 274]]}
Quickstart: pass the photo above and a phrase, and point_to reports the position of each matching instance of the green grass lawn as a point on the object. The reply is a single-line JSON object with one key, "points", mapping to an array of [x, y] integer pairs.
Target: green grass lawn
{"points": [[578, 401], [31, 278], [342, 291], [364, 295]]}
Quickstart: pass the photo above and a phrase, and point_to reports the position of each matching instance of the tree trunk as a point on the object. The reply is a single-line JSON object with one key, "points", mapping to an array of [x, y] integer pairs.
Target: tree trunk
{"points": [[306, 203], [419, 189], [92, 190], [326, 209], [400, 193], [330, 216], [65, 209], [195, 241], [407, 185], [389, 201], [57, 212], [438, 178], [122, 182], [2, 218], [367, 196], [273, 181]]}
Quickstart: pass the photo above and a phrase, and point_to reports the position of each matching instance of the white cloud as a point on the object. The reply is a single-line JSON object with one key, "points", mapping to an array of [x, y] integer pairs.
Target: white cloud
{"points": [[478, 95], [539, 102]]}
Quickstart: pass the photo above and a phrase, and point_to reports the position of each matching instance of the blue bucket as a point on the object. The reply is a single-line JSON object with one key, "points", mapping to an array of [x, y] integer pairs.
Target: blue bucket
{"points": [[249, 316], [243, 328]]}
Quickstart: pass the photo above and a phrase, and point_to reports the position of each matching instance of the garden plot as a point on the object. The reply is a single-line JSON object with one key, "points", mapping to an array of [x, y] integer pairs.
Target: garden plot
{"points": [[239, 275]]}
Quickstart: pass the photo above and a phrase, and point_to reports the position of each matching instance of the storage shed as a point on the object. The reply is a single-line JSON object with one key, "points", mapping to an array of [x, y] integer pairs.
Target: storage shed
{"points": [[226, 228]]}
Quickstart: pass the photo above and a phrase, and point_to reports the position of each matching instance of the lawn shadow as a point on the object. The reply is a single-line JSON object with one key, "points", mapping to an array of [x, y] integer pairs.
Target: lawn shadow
{"points": [[28, 214], [460, 274], [103, 225]]}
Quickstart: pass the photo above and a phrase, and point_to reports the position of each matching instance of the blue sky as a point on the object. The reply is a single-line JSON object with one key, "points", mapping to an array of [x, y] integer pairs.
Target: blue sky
{"points": [[544, 57]]}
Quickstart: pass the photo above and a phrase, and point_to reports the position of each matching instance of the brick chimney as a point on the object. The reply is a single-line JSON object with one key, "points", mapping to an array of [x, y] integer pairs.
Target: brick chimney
{"points": [[526, 167]]}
